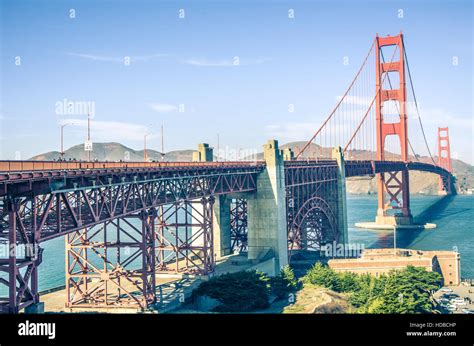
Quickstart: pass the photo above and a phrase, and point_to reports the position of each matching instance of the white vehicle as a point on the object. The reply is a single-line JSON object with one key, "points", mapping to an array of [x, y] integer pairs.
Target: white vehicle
{"points": [[446, 289], [467, 311], [451, 307], [458, 301]]}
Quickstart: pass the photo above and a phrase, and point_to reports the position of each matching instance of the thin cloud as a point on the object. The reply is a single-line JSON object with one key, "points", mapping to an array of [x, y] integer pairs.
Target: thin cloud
{"points": [[224, 63], [209, 63], [111, 130], [163, 107], [355, 100], [442, 117], [291, 131], [150, 57], [121, 59], [96, 57], [235, 61]]}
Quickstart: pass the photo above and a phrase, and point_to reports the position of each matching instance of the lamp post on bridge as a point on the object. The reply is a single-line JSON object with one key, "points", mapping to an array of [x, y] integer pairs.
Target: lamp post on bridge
{"points": [[61, 154], [145, 153]]}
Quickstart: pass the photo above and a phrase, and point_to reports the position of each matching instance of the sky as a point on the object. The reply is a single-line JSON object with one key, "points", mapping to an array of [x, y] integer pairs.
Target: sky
{"points": [[203, 68]]}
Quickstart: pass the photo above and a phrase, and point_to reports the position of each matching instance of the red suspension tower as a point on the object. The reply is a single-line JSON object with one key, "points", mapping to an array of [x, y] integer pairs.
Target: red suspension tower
{"points": [[444, 160], [393, 187]]}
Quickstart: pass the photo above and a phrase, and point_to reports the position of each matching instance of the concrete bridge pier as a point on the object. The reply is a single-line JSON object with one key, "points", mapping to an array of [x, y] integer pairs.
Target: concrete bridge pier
{"points": [[221, 226], [337, 154], [221, 209], [267, 224], [205, 153]]}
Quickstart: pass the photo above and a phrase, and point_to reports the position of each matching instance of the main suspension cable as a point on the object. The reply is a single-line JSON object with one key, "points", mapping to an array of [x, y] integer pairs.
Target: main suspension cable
{"points": [[416, 104]]}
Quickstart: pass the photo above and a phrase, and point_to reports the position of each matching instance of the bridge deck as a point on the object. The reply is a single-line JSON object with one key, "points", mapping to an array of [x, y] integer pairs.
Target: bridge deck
{"points": [[47, 172]]}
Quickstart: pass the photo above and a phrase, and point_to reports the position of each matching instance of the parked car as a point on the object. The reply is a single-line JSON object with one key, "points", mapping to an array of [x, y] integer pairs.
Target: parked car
{"points": [[446, 289], [458, 301], [467, 311], [451, 307]]}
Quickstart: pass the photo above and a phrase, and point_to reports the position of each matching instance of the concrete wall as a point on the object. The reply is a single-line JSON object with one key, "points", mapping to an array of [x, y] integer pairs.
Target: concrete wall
{"points": [[378, 267], [221, 226], [268, 267], [378, 261], [450, 265], [267, 225]]}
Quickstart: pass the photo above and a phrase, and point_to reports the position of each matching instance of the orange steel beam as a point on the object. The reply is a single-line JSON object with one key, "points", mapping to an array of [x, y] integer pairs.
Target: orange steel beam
{"points": [[384, 129], [444, 158]]}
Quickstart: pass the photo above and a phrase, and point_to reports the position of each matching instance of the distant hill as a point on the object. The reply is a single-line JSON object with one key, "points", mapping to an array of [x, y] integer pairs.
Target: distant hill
{"points": [[114, 152], [420, 182]]}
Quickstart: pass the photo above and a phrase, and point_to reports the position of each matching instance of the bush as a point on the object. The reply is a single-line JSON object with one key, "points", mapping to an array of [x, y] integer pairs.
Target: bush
{"points": [[238, 292], [349, 282], [409, 291], [324, 276], [284, 283], [367, 296], [403, 291]]}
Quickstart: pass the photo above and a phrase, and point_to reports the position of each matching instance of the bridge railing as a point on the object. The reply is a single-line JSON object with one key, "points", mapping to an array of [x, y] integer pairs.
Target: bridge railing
{"points": [[307, 162], [17, 166], [367, 167]]}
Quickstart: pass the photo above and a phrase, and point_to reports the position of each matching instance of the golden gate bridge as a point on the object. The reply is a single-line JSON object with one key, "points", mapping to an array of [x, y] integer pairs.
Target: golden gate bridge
{"points": [[124, 223]]}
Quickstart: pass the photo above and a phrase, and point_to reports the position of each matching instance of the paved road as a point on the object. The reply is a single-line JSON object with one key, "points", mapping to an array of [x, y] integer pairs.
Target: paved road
{"points": [[463, 292]]}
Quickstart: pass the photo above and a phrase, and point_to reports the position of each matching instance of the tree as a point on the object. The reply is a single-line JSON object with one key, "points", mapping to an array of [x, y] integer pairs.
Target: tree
{"points": [[349, 282], [402, 291], [409, 291], [284, 283], [367, 297], [321, 275]]}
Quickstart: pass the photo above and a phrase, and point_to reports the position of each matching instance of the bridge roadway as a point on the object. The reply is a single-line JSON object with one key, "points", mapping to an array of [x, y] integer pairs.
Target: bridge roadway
{"points": [[135, 185]]}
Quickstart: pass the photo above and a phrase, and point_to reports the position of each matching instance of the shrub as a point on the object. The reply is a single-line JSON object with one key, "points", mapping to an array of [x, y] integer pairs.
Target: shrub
{"points": [[321, 275], [369, 290], [409, 291], [403, 291], [284, 283], [349, 282], [238, 292]]}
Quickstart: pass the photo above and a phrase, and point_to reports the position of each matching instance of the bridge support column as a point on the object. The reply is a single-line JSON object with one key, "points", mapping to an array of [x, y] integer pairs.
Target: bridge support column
{"points": [[341, 196], [185, 237], [445, 185], [112, 265], [239, 225], [203, 154], [23, 256], [395, 211], [221, 226], [267, 224]]}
